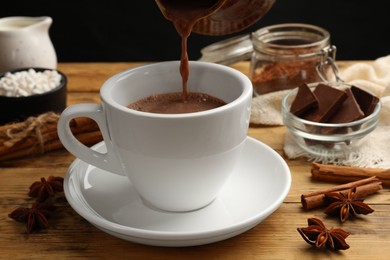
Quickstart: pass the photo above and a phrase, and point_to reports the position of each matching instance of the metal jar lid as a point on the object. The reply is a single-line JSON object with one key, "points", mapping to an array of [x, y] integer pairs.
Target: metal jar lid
{"points": [[228, 51]]}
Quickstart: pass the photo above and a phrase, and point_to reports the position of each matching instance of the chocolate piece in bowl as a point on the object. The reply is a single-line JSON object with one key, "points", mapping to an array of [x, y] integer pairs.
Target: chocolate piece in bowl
{"points": [[304, 101], [329, 101], [366, 101], [349, 111]]}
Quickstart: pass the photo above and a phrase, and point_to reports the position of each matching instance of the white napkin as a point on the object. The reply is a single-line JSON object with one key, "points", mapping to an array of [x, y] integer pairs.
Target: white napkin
{"points": [[373, 77]]}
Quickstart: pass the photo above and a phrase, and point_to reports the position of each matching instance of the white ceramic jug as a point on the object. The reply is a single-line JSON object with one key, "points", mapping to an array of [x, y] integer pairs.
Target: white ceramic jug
{"points": [[25, 42]]}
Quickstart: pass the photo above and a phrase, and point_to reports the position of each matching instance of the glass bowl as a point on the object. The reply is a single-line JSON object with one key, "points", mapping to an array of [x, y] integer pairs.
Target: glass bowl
{"points": [[325, 139]]}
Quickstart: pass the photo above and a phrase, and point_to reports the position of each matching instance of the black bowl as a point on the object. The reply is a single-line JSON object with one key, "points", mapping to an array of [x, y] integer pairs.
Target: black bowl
{"points": [[16, 109]]}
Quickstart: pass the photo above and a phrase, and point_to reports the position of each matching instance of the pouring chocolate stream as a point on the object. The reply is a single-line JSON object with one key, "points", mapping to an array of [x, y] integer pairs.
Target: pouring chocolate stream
{"points": [[183, 15]]}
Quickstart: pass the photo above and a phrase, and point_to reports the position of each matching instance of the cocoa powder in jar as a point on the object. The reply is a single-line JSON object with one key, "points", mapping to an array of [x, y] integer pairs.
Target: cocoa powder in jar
{"points": [[275, 76], [287, 55]]}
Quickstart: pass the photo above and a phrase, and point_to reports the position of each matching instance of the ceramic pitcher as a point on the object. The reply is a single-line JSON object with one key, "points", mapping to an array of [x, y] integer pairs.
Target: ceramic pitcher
{"points": [[25, 42]]}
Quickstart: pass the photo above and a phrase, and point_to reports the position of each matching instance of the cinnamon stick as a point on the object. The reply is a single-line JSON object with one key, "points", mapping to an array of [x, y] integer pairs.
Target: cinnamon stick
{"points": [[79, 126], [38, 135], [343, 174], [88, 138], [364, 187]]}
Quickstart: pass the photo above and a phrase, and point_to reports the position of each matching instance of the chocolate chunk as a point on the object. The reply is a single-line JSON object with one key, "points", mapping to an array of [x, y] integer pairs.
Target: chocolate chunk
{"points": [[304, 101], [329, 101], [366, 101], [349, 111]]}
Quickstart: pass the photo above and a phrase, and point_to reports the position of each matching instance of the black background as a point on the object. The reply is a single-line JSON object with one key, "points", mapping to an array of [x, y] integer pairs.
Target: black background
{"points": [[88, 30]]}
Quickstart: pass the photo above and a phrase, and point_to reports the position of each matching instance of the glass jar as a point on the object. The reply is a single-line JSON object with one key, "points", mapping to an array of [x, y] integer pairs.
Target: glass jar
{"points": [[287, 55]]}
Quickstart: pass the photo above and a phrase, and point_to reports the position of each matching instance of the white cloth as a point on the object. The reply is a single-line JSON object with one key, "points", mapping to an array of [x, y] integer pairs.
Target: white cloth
{"points": [[373, 77], [266, 108]]}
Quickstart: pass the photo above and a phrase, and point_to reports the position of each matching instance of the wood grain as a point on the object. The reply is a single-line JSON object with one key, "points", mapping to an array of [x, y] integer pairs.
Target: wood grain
{"points": [[70, 236]]}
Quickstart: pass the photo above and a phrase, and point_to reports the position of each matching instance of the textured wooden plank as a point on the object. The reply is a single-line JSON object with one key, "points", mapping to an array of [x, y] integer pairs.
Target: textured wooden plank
{"points": [[275, 238], [83, 97], [70, 236], [89, 77]]}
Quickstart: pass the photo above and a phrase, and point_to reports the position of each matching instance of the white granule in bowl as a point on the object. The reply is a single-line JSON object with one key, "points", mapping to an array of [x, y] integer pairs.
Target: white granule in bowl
{"points": [[28, 82]]}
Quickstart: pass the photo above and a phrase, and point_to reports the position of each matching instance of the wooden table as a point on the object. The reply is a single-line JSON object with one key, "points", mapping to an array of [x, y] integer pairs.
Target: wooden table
{"points": [[70, 236]]}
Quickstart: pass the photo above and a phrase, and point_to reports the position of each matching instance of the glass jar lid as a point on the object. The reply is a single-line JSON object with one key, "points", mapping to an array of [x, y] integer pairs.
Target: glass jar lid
{"points": [[228, 51], [280, 39]]}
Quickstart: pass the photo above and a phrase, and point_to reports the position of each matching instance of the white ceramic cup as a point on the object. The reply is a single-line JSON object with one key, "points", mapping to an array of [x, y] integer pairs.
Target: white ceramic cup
{"points": [[176, 162]]}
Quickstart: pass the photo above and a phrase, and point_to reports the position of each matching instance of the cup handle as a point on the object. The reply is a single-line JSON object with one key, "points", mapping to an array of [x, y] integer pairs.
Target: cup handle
{"points": [[106, 161]]}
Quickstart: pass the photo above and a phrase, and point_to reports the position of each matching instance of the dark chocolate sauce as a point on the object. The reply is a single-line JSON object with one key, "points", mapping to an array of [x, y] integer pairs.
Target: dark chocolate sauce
{"points": [[183, 15], [172, 103]]}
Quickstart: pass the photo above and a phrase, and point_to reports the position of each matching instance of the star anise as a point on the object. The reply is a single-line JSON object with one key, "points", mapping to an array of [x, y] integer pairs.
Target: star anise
{"points": [[35, 217], [316, 234], [346, 205], [46, 188]]}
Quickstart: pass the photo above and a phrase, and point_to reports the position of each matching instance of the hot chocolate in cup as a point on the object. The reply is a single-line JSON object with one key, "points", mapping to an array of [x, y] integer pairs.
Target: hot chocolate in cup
{"points": [[176, 162]]}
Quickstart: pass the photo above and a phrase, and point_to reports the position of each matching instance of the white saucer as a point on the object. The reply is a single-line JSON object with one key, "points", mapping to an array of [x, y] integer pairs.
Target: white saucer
{"points": [[256, 189]]}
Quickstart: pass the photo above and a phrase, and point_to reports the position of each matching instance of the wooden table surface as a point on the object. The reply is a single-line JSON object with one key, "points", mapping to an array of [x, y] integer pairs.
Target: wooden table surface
{"points": [[71, 236]]}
